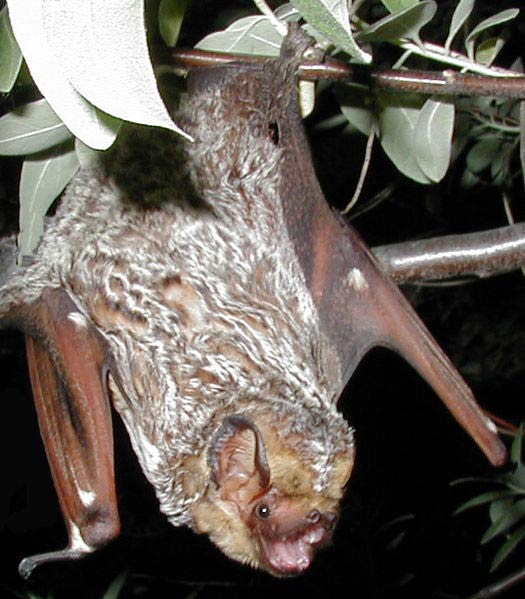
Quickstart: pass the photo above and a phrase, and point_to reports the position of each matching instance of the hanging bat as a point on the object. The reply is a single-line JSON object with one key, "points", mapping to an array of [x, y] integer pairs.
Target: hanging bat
{"points": [[210, 294]]}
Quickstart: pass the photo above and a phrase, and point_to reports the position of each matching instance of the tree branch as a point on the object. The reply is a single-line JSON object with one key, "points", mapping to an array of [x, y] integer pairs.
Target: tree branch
{"points": [[448, 82], [482, 254]]}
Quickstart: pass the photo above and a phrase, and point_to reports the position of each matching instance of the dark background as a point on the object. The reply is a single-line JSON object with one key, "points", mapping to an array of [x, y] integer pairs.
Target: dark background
{"points": [[397, 536]]}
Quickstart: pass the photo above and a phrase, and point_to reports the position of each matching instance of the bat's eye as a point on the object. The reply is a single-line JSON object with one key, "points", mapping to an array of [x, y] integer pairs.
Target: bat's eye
{"points": [[263, 511]]}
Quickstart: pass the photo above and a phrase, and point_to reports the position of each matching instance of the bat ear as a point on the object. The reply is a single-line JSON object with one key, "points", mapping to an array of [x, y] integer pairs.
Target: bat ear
{"points": [[237, 458]]}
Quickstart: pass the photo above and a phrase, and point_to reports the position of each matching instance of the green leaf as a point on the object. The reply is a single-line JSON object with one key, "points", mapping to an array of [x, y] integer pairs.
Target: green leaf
{"points": [[507, 520], [114, 589], [398, 118], [31, 128], [398, 5], [90, 60], [517, 446], [461, 14], [404, 24], [489, 49], [171, 15], [498, 19], [355, 106], [87, 157], [482, 499], [483, 153], [331, 18], [43, 179], [433, 138], [508, 547], [249, 35], [10, 55]]}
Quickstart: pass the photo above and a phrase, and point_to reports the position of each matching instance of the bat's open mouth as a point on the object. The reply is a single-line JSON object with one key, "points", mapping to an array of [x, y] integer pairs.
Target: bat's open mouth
{"points": [[293, 554]]}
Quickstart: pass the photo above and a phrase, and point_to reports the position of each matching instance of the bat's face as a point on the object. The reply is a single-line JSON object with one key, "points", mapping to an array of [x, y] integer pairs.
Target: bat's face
{"points": [[262, 506]]}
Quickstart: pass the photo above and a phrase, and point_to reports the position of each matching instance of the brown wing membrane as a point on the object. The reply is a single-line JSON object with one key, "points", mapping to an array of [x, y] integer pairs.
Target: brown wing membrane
{"points": [[68, 365], [358, 306]]}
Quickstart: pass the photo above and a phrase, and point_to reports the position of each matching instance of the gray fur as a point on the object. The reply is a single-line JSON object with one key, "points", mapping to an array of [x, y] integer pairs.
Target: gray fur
{"points": [[202, 301]]}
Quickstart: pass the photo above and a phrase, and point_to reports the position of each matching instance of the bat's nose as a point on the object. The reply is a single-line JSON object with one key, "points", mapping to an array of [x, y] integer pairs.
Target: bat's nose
{"points": [[314, 516]]}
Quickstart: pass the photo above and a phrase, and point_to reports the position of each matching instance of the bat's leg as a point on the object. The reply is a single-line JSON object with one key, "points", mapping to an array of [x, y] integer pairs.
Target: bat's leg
{"points": [[68, 365]]}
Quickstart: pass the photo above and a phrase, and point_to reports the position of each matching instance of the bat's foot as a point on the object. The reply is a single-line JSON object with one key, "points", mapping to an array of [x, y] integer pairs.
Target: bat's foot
{"points": [[28, 564]]}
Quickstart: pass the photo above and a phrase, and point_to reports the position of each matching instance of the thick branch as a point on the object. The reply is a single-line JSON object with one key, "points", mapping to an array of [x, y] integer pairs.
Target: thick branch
{"points": [[481, 254], [449, 82]]}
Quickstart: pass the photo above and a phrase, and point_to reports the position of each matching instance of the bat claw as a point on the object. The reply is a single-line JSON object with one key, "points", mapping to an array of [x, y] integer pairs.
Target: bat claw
{"points": [[28, 564]]}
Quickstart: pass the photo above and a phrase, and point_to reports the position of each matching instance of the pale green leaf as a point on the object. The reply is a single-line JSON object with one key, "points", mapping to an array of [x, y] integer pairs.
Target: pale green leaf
{"points": [[488, 497], [501, 506], [404, 24], [355, 106], [84, 120], [331, 18], [514, 514], [90, 60], [483, 153], [398, 118], [171, 15], [87, 157], [516, 449], [497, 19], [10, 55], [488, 50], [398, 5], [249, 35], [433, 138], [114, 589], [459, 17], [43, 179], [31, 128], [508, 547]]}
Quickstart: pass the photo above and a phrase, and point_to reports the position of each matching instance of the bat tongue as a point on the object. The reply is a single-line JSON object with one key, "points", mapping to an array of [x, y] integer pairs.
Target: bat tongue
{"points": [[293, 555], [289, 557]]}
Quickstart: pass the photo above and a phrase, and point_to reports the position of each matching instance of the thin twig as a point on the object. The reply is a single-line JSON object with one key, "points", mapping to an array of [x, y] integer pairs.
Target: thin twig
{"points": [[480, 254], [364, 169]]}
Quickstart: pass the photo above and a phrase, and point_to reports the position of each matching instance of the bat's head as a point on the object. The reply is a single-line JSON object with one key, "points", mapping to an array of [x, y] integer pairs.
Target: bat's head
{"points": [[262, 505]]}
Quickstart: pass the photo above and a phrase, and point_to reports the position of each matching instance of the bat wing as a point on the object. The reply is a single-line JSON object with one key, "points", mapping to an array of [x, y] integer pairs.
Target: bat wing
{"points": [[68, 366], [358, 306]]}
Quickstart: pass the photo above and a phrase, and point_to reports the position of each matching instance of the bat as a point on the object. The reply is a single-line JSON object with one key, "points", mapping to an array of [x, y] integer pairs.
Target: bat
{"points": [[209, 293]]}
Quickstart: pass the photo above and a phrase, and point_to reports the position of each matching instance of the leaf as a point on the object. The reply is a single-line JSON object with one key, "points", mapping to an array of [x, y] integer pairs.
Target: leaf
{"points": [[31, 128], [482, 499], [497, 19], [249, 35], [355, 106], [433, 138], [10, 55], [90, 60], [508, 547], [461, 14], [82, 119], [108, 65], [488, 50], [331, 18], [517, 446], [398, 5], [43, 179], [171, 15], [482, 154], [113, 591], [499, 508], [398, 118], [404, 24], [506, 521], [87, 157]]}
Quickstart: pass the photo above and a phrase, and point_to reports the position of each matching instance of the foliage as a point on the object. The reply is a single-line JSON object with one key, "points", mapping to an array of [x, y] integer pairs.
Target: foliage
{"points": [[506, 505], [93, 75]]}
